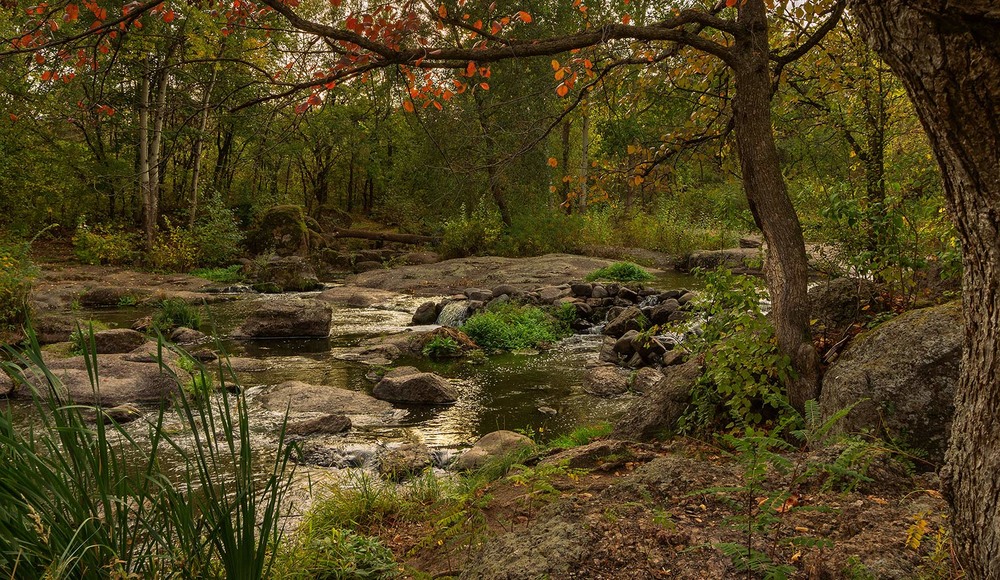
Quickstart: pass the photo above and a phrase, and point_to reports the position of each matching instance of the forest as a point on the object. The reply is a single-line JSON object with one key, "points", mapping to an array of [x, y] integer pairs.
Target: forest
{"points": [[781, 213]]}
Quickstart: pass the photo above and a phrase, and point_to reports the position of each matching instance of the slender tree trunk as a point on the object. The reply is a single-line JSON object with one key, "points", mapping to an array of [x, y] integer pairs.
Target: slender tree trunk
{"points": [[198, 144], [786, 263], [567, 127], [496, 190], [584, 159], [948, 57], [145, 189]]}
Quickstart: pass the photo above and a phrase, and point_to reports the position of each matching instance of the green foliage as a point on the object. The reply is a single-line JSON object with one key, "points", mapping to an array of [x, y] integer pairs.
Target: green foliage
{"points": [[621, 272], [513, 326], [217, 235], [744, 371], [566, 314], [581, 436], [16, 274], [336, 554], [105, 244], [227, 275], [441, 347], [97, 501], [174, 313], [471, 234], [175, 250], [82, 336]]}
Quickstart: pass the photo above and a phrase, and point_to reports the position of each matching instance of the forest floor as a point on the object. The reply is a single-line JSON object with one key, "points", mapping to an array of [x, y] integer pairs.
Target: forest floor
{"points": [[681, 509]]}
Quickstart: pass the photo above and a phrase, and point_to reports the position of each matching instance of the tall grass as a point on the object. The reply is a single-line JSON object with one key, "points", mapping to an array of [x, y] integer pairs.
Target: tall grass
{"points": [[82, 500]]}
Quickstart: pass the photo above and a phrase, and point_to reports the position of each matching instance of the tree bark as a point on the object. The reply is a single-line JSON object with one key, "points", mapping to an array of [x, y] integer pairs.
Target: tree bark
{"points": [[584, 158], [948, 57], [787, 267], [148, 215], [198, 144]]}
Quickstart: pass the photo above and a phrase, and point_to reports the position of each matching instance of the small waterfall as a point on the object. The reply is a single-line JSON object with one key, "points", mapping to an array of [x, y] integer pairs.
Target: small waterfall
{"points": [[453, 314]]}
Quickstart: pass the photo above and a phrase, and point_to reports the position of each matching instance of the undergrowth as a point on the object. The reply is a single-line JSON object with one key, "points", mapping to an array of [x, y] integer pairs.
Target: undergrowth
{"points": [[621, 272], [513, 326]]}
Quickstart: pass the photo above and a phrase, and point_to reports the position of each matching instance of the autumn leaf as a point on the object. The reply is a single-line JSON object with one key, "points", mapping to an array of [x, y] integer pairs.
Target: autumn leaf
{"points": [[471, 69], [47, 75], [168, 16], [442, 11], [626, 19], [553, 162], [408, 106], [524, 16], [484, 86], [562, 90]]}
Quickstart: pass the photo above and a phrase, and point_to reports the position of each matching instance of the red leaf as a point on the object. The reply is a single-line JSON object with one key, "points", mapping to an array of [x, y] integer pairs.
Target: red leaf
{"points": [[524, 16], [471, 69], [562, 90], [408, 105], [442, 11], [484, 86], [168, 16]]}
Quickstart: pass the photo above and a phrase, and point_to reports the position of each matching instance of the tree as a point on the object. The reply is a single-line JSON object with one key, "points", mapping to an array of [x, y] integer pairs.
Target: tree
{"points": [[948, 57]]}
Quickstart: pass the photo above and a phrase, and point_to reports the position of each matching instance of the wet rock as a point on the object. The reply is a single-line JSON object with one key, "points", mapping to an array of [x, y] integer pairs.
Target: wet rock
{"points": [[650, 348], [623, 346], [505, 289], [288, 274], [121, 414], [582, 289], [660, 314], [628, 295], [404, 461], [645, 380], [287, 319], [598, 291], [902, 377], [367, 266], [109, 297], [671, 295], [603, 455], [184, 335], [658, 410], [299, 397], [686, 298], [479, 294], [409, 385], [453, 313], [492, 446], [548, 411], [426, 313], [118, 340], [607, 353], [630, 319], [605, 381], [326, 424]]}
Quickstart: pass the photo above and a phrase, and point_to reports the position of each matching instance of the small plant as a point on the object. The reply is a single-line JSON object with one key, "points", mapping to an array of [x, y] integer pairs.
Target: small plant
{"points": [[128, 301], [80, 338], [621, 272], [102, 244], [566, 314], [512, 327], [175, 250], [174, 313], [200, 385], [538, 480], [337, 554], [581, 436], [441, 347], [228, 275]]}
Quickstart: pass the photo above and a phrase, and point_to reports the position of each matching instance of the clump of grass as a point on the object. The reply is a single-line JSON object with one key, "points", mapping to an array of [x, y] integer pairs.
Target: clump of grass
{"points": [[581, 436], [82, 500], [228, 275], [441, 347], [621, 272], [173, 313], [337, 554], [513, 326]]}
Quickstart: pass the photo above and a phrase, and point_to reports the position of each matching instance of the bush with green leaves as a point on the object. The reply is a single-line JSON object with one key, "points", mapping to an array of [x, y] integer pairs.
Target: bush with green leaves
{"points": [[174, 313], [105, 244], [227, 275], [217, 235], [470, 235], [513, 326], [621, 272], [16, 274], [85, 500], [441, 347], [744, 370]]}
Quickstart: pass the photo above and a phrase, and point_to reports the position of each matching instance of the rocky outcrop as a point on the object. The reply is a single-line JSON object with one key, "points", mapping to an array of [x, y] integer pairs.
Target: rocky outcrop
{"points": [[836, 304], [409, 385], [901, 379], [605, 381], [286, 274], [739, 260], [492, 446], [657, 411], [356, 297], [286, 319], [117, 340]]}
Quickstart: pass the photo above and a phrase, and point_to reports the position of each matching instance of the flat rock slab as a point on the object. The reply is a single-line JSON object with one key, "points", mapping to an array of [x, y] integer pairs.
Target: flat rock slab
{"points": [[409, 385], [454, 276], [356, 297], [299, 397], [299, 318]]}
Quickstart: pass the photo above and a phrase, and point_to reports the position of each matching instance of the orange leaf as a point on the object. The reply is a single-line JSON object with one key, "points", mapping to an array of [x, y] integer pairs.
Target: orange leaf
{"points": [[168, 16], [556, 65], [484, 86], [730, 3], [47, 75], [626, 19], [553, 162], [524, 16], [442, 11], [560, 74], [471, 69], [39, 58], [408, 106], [562, 90]]}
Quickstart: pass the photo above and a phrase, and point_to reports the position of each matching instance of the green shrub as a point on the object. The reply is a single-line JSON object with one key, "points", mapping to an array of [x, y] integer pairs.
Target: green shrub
{"points": [[744, 371], [217, 236], [512, 326], [442, 347], [16, 274], [175, 250], [173, 313], [338, 555], [103, 244], [471, 235], [621, 272], [228, 275], [79, 339]]}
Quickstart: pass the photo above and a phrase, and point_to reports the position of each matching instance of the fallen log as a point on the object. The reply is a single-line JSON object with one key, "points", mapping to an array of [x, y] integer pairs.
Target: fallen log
{"points": [[416, 239]]}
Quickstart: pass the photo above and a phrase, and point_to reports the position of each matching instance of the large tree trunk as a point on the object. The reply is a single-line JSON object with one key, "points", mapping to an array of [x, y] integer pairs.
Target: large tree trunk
{"points": [[948, 56], [786, 266]]}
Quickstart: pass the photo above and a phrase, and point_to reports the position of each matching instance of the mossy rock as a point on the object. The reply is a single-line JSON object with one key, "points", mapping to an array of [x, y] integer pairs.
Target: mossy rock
{"points": [[286, 230]]}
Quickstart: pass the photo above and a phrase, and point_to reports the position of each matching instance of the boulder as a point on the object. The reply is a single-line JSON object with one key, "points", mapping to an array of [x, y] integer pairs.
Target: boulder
{"points": [[409, 385], [658, 410], [286, 230], [630, 319], [427, 313], [184, 335], [660, 314], [837, 304], [645, 380], [604, 455], [605, 381], [366, 266], [623, 346], [739, 260], [117, 340], [325, 424], [406, 460], [53, 328], [505, 289], [607, 353], [107, 297], [288, 274], [582, 290], [299, 397], [479, 294], [901, 379], [650, 348], [549, 294], [598, 291], [492, 446], [287, 319]]}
